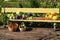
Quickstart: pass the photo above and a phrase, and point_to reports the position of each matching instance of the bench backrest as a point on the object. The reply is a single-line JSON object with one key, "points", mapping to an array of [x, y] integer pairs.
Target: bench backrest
{"points": [[32, 10]]}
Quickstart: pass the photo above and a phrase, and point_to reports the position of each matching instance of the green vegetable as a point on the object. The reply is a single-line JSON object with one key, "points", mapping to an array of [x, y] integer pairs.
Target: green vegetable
{"points": [[29, 18], [22, 25]]}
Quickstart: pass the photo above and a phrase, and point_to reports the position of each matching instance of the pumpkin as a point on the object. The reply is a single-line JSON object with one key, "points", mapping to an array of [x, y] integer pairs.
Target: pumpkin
{"points": [[48, 16], [13, 27], [55, 16]]}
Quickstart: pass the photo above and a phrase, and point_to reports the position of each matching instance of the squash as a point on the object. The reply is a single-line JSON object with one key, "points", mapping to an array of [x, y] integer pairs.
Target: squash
{"points": [[55, 16], [13, 27], [48, 16]]}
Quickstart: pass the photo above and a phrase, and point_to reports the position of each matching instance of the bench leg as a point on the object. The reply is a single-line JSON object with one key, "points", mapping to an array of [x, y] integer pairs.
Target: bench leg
{"points": [[54, 26]]}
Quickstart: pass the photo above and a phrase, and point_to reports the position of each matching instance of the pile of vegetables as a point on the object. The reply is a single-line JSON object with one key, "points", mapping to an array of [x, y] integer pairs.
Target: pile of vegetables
{"points": [[10, 16], [51, 16]]}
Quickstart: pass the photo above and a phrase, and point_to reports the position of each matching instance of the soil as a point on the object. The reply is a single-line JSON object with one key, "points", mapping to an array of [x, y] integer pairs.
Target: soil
{"points": [[34, 34]]}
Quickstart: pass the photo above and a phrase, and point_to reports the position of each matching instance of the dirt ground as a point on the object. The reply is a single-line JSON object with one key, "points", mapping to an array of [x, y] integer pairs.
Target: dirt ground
{"points": [[35, 34]]}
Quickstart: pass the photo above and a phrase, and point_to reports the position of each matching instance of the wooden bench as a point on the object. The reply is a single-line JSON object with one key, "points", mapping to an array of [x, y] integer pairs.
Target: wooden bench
{"points": [[34, 10]]}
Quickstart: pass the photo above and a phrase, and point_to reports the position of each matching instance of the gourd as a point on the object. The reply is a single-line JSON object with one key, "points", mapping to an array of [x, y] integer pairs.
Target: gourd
{"points": [[55, 16], [48, 16]]}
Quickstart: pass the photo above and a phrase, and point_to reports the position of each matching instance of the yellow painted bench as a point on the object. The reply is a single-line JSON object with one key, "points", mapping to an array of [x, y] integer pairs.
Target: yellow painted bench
{"points": [[34, 10]]}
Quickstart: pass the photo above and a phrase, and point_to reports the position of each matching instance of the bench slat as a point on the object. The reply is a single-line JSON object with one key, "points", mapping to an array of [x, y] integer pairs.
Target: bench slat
{"points": [[32, 10], [35, 20]]}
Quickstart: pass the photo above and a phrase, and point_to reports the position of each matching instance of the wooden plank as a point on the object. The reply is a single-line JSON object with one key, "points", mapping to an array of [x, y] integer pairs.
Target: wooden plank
{"points": [[35, 20], [32, 10]]}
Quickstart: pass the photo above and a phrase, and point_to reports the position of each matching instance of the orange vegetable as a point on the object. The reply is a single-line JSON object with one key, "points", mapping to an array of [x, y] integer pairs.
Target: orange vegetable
{"points": [[13, 25], [48, 16], [55, 17]]}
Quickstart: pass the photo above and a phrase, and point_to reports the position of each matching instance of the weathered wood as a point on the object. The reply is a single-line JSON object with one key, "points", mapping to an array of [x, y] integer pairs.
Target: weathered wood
{"points": [[32, 10]]}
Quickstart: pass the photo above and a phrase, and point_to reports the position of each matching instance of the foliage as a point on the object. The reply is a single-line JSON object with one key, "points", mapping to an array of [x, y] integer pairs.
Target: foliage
{"points": [[58, 4], [10, 4], [0, 8], [40, 3], [58, 16], [1, 20], [13, 0], [34, 3], [22, 25]]}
